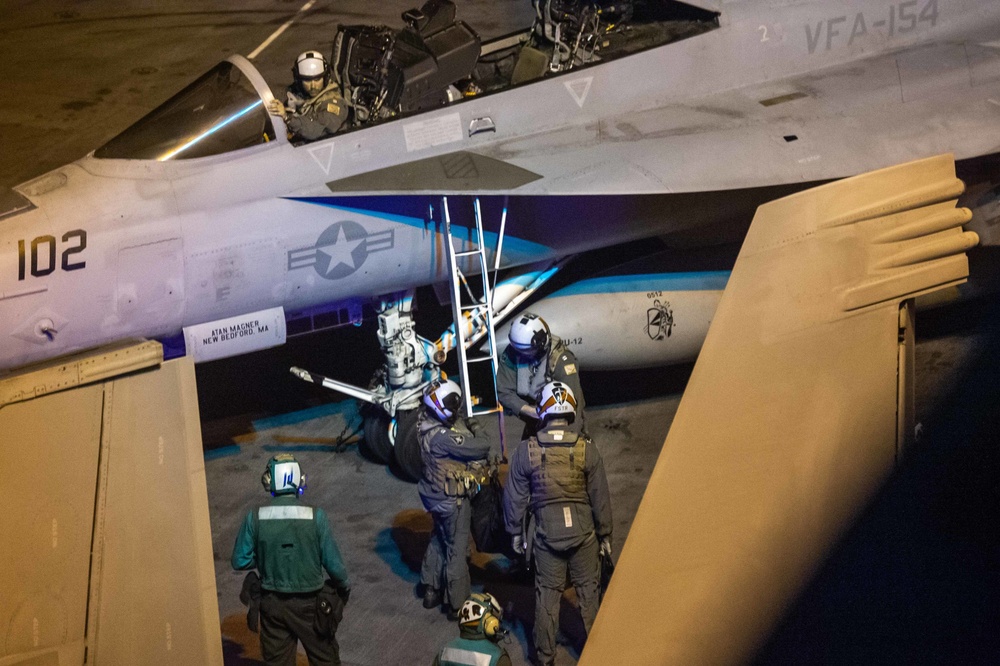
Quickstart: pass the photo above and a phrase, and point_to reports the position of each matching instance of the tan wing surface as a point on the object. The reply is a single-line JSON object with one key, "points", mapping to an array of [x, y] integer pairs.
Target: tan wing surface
{"points": [[106, 542], [792, 418]]}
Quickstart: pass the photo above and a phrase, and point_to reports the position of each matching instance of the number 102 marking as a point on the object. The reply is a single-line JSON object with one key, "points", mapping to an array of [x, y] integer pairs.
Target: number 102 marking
{"points": [[43, 254]]}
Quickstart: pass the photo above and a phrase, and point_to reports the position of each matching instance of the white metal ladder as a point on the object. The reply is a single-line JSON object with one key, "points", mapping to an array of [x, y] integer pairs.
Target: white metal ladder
{"points": [[466, 305]]}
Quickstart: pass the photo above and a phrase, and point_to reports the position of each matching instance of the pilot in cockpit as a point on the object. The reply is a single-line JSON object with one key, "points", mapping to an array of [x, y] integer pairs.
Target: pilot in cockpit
{"points": [[314, 108]]}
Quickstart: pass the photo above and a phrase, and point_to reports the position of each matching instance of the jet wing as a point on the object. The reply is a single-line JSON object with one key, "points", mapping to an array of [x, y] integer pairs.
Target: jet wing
{"points": [[794, 414], [107, 546]]}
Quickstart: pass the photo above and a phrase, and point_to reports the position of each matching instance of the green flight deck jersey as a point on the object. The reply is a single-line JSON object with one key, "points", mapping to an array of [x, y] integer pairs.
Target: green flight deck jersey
{"points": [[290, 544], [470, 649]]}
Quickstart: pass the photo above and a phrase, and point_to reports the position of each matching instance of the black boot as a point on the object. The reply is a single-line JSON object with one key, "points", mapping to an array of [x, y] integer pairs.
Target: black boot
{"points": [[432, 597]]}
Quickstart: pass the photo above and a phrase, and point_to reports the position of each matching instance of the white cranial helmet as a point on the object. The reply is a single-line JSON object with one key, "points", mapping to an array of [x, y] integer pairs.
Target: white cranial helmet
{"points": [[556, 401], [310, 65], [443, 397], [529, 335]]}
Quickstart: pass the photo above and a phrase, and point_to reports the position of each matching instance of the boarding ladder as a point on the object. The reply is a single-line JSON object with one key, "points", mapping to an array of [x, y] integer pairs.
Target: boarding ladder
{"points": [[470, 311]]}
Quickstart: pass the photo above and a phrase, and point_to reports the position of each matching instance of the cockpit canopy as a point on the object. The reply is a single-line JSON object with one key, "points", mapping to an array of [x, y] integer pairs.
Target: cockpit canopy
{"points": [[384, 73], [218, 113]]}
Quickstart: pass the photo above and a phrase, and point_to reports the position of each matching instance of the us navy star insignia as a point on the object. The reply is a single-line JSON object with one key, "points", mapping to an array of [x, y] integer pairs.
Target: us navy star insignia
{"points": [[339, 253], [340, 250]]}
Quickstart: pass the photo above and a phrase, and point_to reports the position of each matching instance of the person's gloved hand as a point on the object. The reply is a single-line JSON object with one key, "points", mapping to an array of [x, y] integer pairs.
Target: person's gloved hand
{"points": [[606, 547], [344, 593], [474, 426], [528, 412], [518, 543]]}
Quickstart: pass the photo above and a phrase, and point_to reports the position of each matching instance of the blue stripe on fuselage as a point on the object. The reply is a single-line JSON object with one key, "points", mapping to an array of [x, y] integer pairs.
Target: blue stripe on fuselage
{"points": [[617, 284], [524, 249]]}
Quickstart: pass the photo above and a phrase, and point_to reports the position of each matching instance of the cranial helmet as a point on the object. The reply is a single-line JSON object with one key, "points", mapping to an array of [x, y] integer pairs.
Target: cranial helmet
{"points": [[283, 475], [556, 401], [529, 335], [481, 611], [444, 397], [310, 65]]}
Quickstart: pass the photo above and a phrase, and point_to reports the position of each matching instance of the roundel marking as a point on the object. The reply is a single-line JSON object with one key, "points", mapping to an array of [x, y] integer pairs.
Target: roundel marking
{"points": [[340, 250]]}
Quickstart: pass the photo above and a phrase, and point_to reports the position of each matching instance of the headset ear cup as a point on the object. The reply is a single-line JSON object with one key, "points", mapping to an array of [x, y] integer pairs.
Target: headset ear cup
{"points": [[490, 626]]}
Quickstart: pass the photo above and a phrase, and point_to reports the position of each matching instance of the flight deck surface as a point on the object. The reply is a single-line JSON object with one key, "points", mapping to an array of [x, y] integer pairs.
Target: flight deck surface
{"points": [[382, 529]]}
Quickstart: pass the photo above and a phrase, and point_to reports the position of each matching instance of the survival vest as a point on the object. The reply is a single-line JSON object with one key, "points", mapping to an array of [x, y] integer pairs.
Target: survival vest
{"points": [[559, 496], [454, 478]]}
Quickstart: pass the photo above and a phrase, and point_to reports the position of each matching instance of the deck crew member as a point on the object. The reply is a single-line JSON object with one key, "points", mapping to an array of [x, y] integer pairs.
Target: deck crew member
{"points": [[534, 358], [479, 634], [559, 474], [448, 452], [291, 545]]}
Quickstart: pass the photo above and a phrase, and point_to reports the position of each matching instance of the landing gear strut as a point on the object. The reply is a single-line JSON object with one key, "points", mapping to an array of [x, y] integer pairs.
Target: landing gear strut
{"points": [[390, 420]]}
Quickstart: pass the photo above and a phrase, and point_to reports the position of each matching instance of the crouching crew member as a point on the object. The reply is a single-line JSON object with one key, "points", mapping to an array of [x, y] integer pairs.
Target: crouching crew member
{"points": [[479, 634], [447, 452], [534, 358], [560, 475], [290, 544]]}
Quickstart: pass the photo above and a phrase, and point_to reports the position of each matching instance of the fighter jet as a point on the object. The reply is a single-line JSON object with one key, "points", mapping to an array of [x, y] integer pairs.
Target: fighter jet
{"points": [[656, 119], [113, 563], [753, 101]]}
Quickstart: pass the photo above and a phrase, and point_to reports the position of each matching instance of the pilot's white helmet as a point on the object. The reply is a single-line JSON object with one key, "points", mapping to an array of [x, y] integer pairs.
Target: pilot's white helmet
{"points": [[529, 335], [556, 400], [443, 397], [310, 65]]}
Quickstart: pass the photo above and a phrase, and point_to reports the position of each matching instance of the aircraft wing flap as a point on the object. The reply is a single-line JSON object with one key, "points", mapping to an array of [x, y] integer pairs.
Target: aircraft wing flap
{"points": [[789, 423], [78, 370]]}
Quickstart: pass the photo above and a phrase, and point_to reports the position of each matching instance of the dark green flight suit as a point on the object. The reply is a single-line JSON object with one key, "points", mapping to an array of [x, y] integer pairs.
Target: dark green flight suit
{"points": [[520, 380], [560, 475], [290, 544]]}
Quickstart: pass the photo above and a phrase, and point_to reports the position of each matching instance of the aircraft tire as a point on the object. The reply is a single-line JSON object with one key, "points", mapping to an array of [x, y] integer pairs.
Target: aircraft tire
{"points": [[375, 444], [407, 448]]}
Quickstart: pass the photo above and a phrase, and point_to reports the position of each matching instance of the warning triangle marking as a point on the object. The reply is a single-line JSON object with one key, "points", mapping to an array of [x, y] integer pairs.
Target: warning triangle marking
{"points": [[323, 156], [579, 88]]}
